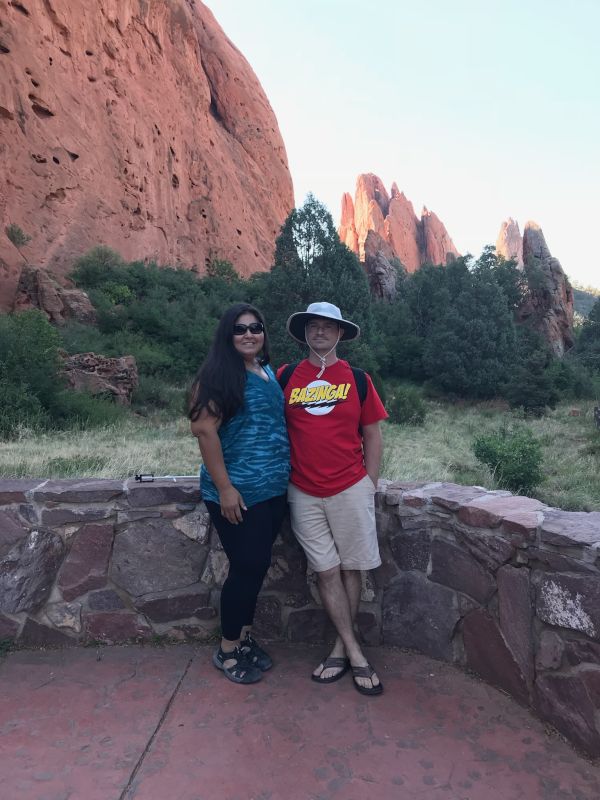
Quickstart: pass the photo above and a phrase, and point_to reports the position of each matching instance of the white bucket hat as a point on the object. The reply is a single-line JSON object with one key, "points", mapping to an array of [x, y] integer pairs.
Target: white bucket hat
{"points": [[297, 322]]}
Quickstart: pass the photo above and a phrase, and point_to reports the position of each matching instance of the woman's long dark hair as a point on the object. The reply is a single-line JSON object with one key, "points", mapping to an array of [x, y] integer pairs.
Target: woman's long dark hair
{"points": [[220, 382]]}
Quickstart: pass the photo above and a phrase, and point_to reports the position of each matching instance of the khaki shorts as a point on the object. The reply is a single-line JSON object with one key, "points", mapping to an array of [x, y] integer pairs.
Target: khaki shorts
{"points": [[337, 530]]}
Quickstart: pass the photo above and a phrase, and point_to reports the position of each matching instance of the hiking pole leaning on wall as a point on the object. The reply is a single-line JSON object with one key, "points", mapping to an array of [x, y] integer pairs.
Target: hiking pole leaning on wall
{"points": [[149, 477]]}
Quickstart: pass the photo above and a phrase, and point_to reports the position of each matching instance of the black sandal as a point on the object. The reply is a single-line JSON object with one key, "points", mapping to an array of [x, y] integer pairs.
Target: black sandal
{"points": [[242, 671], [366, 672], [332, 662], [255, 653]]}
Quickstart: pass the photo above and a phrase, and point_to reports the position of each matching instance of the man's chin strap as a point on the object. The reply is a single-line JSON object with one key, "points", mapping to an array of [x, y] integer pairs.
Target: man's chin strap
{"points": [[322, 359]]}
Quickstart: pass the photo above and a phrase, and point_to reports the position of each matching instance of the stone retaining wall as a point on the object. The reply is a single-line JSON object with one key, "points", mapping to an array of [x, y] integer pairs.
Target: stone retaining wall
{"points": [[502, 585]]}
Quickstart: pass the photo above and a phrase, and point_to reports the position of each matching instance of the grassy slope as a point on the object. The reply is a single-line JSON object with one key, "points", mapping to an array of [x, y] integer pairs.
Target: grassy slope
{"points": [[438, 450]]}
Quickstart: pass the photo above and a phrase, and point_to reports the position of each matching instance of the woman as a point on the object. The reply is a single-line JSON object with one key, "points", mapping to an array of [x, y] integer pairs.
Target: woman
{"points": [[236, 412]]}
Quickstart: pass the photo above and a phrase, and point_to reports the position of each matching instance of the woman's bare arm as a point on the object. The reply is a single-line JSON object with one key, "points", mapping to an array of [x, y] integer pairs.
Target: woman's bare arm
{"points": [[205, 428]]}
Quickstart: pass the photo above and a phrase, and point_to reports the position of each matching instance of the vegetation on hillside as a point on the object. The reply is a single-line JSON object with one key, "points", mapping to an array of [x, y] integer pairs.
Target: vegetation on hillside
{"points": [[449, 335]]}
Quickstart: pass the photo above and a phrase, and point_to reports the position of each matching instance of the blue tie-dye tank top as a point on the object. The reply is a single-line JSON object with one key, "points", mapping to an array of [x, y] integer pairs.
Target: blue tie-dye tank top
{"points": [[255, 444]]}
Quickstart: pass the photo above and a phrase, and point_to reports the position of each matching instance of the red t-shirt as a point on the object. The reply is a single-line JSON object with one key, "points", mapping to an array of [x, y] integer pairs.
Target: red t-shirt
{"points": [[323, 417]]}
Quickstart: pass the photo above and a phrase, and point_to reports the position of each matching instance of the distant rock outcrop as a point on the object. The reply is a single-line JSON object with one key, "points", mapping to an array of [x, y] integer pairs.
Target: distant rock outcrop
{"points": [[414, 241], [549, 307], [380, 267], [99, 375], [38, 288], [509, 243], [137, 125]]}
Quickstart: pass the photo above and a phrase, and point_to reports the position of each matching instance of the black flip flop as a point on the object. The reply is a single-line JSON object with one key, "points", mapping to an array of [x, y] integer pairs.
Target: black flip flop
{"points": [[366, 672], [333, 662]]}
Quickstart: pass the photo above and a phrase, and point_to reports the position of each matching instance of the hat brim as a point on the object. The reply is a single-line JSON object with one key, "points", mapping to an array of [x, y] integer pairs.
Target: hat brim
{"points": [[296, 325]]}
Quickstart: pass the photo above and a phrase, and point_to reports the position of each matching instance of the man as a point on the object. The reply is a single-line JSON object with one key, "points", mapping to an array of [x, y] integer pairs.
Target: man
{"points": [[333, 414]]}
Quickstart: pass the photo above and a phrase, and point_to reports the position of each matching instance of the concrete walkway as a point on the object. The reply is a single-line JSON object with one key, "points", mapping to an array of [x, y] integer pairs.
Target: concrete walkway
{"points": [[155, 723]]}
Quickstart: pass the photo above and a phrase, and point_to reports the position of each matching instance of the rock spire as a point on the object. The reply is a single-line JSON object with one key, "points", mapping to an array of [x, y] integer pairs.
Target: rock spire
{"points": [[391, 216]]}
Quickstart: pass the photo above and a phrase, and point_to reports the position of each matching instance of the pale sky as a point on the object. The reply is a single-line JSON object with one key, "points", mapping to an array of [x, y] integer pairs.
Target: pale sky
{"points": [[478, 109]]}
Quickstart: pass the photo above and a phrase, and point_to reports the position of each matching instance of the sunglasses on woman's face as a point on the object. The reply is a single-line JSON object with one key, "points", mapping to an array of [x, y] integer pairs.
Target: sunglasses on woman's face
{"points": [[239, 329]]}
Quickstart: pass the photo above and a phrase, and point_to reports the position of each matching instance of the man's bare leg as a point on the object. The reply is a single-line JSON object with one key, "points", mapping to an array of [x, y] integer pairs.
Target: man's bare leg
{"points": [[340, 595]]}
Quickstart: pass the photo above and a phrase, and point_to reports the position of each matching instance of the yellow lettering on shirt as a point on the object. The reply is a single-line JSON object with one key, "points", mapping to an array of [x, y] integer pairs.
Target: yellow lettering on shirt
{"points": [[308, 395]]}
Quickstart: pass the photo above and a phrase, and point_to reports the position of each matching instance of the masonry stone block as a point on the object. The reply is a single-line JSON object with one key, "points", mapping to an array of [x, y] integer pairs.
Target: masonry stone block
{"points": [[310, 625], [490, 549], [86, 565], [516, 617], [368, 623], [452, 496], [488, 654], [420, 615], [78, 491], [160, 493], [64, 615], [195, 524], [581, 651], [453, 567], [550, 651], [13, 529], [551, 561], [9, 628], [54, 517], [411, 550], [174, 603], [104, 600], [566, 528], [267, 618], [28, 570], [152, 556], [36, 635], [288, 565], [216, 569], [567, 703], [114, 627], [569, 601], [17, 491], [489, 510]]}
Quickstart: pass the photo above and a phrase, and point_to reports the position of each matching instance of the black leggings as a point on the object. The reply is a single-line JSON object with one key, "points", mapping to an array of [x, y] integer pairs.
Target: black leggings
{"points": [[248, 547]]}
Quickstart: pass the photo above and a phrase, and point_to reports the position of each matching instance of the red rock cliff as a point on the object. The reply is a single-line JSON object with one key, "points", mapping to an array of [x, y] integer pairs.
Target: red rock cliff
{"points": [[414, 241], [136, 124]]}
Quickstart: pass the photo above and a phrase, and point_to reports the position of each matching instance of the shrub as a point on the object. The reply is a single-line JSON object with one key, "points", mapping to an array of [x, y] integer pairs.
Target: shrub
{"points": [[29, 370], [154, 393], [82, 410], [17, 235], [515, 458], [406, 406]]}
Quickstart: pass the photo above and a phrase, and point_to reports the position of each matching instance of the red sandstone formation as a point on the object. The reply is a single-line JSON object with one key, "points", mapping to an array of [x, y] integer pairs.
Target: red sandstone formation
{"points": [[437, 244], [549, 307], [414, 241], [380, 267], [137, 125], [509, 243], [402, 231], [89, 372], [39, 289]]}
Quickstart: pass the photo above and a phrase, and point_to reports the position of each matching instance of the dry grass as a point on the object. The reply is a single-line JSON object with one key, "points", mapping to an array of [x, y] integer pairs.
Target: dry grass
{"points": [[440, 449], [139, 445]]}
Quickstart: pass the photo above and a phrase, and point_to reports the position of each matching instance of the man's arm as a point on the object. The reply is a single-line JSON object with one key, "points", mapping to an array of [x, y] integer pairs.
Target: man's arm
{"points": [[373, 450]]}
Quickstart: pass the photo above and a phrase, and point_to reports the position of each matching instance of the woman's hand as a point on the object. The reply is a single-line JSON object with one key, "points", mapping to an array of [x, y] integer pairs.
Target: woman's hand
{"points": [[232, 504]]}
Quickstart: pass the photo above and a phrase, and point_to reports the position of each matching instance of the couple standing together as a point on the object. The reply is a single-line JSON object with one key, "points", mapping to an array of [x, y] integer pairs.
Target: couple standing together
{"points": [[242, 415]]}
